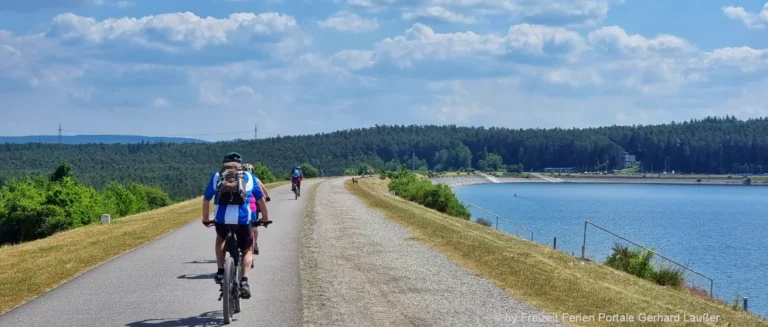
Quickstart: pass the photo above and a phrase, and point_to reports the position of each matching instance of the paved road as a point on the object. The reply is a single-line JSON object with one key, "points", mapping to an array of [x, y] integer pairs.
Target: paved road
{"points": [[169, 282], [547, 178], [489, 177]]}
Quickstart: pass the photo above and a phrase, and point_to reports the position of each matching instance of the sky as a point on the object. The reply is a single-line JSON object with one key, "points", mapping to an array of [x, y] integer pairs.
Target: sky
{"points": [[214, 69]]}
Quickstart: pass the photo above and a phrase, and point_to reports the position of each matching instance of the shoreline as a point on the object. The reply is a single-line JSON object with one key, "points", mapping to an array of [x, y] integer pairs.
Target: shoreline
{"points": [[461, 181]]}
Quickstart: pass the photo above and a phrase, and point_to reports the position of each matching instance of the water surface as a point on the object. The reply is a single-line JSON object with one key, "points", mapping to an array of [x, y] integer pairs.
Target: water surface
{"points": [[719, 231]]}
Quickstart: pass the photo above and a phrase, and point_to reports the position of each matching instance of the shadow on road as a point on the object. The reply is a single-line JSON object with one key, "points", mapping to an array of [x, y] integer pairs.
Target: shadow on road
{"points": [[192, 276], [213, 318], [202, 261]]}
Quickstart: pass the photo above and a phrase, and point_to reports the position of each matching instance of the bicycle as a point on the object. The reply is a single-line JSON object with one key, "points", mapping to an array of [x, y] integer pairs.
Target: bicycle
{"points": [[230, 288], [296, 190]]}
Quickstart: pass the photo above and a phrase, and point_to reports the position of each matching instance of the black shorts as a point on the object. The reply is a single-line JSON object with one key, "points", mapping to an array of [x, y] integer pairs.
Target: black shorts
{"points": [[243, 233]]}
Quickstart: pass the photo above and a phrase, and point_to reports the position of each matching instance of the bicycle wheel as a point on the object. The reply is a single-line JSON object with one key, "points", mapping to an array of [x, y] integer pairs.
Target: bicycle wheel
{"points": [[236, 284], [227, 288]]}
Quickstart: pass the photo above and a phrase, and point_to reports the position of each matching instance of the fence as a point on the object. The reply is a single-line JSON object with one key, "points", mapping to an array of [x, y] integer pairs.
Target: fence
{"points": [[498, 217], [584, 248]]}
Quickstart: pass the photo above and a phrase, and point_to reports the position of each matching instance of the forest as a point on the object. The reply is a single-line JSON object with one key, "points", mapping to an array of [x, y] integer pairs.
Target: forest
{"points": [[715, 145], [37, 207]]}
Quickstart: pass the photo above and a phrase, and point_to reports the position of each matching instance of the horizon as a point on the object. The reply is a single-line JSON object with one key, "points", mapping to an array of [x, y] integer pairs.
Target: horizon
{"points": [[141, 67], [197, 137]]}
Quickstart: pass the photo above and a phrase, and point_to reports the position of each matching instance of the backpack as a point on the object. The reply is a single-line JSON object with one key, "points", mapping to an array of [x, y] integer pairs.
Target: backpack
{"points": [[296, 173], [230, 187]]}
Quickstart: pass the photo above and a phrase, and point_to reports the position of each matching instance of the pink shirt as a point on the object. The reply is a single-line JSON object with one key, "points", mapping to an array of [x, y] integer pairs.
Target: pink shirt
{"points": [[252, 203]]}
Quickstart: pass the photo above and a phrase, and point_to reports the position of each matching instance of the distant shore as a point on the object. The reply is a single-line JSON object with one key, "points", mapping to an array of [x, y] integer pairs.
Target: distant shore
{"points": [[460, 181]]}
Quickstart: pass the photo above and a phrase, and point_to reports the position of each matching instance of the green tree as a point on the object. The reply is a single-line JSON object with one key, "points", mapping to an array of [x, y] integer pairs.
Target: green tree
{"points": [[62, 171], [120, 201], [263, 173], [364, 169], [491, 162], [309, 171]]}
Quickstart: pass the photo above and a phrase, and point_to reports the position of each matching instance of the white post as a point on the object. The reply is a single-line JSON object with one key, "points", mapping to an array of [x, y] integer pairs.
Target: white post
{"points": [[106, 219]]}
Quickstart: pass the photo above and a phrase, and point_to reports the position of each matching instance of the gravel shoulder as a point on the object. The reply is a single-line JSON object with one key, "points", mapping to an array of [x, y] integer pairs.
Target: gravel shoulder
{"points": [[360, 269]]}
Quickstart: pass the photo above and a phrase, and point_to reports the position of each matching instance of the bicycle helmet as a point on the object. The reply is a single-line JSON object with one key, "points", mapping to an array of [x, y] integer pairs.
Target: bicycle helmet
{"points": [[232, 157], [248, 167]]}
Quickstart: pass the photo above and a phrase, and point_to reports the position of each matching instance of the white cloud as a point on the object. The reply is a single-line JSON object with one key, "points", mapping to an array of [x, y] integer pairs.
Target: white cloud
{"points": [[160, 103], [539, 11], [751, 20], [748, 60], [439, 13], [169, 31], [614, 38], [125, 4], [524, 41], [354, 59], [574, 77], [345, 21]]}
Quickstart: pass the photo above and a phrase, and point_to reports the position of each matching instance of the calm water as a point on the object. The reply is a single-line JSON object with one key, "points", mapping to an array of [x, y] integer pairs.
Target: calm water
{"points": [[719, 231]]}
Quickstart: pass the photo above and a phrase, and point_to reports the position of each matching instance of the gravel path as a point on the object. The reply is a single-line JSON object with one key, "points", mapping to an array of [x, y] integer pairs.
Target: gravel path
{"points": [[360, 269]]}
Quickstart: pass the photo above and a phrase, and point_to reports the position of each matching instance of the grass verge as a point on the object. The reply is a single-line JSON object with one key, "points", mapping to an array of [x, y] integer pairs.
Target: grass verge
{"points": [[545, 278], [30, 269]]}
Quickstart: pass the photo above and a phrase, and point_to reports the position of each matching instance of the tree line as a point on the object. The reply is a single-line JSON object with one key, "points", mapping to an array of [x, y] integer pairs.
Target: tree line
{"points": [[713, 146], [37, 207]]}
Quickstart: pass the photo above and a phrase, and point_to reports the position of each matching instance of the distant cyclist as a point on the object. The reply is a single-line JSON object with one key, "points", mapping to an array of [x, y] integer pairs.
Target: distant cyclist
{"points": [[296, 177], [255, 209], [231, 188]]}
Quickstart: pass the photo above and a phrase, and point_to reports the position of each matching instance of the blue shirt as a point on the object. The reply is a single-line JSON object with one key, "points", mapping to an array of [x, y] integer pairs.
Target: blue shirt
{"points": [[234, 214], [296, 173]]}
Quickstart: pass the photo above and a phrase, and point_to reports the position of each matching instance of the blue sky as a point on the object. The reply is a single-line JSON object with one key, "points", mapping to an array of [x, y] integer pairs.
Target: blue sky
{"points": [[183, 67]]}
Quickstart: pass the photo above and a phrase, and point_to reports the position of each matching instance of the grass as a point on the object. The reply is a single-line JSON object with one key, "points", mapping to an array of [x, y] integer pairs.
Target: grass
{"points": [[30, 269], [545, 278]]}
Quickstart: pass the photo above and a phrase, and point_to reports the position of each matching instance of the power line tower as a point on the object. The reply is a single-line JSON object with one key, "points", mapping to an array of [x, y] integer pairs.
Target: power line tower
{"points": [[255, 132], [59, 133]]}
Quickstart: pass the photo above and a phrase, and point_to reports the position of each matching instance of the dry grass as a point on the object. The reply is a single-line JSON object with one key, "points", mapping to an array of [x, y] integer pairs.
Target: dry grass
{"points": [[545, 278], [30, 269]]}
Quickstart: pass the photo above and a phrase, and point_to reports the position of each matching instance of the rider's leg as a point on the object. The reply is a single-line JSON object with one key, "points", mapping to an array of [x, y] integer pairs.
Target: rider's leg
{"points": [[219, 252], [219, 249], [245, 243]]}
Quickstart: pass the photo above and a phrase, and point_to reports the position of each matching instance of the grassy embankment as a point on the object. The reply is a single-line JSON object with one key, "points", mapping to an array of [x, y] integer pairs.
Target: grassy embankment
{"points": [[545, 278], [30, 269]]}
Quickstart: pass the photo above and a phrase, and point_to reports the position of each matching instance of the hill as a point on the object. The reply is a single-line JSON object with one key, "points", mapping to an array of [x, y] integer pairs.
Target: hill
{"points": [[96, 139], [712, 145]]}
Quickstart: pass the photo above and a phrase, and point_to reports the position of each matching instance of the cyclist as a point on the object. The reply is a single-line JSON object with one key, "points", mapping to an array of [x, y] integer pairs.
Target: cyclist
{"points": [[234, 213], [296, 177], [255, 209]]}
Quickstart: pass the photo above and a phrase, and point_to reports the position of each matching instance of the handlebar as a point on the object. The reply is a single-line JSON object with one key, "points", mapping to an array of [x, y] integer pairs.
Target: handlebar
{"points": [[263, 223], [258, 223]]}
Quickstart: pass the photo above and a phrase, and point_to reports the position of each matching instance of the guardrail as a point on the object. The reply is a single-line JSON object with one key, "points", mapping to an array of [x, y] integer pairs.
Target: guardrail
{"points": [[584, 248], [498, 217]]}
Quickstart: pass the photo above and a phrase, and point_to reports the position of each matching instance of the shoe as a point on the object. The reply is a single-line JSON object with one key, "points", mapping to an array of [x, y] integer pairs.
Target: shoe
{"points": [[218, 278], [245, 290], [255, 250]]}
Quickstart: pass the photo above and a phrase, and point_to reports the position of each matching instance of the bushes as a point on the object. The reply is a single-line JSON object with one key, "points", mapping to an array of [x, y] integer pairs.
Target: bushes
{"points": [[422, 191], [484, 222], [263, 173], [639, 263], [33, 208]]}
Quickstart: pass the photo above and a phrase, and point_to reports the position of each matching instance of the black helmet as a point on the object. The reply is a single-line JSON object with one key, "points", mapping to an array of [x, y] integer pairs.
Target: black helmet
{"points": [[233, 157]]}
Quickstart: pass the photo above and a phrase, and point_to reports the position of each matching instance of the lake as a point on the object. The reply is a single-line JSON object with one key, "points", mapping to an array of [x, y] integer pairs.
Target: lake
{"points": [[719, 231]]}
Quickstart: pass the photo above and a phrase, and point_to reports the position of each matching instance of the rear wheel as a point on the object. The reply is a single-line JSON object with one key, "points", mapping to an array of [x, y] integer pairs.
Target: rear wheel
{"points": [[236, 285], [227, 288]]}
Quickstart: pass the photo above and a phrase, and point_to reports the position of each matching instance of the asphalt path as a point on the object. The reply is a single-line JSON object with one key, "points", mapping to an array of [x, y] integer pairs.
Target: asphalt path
{"points": [[169, 282]]}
